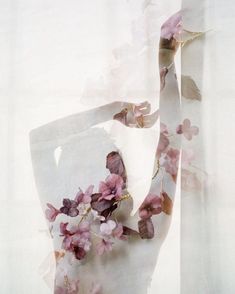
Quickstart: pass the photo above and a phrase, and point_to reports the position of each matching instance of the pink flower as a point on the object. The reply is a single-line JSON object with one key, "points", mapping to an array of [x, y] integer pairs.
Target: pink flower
{"points": [[111, 188], [118, 232], [104, 246], [84, 198], [51, 213], [187, 130], [69, 207], [163, 129], [162, 145], [107, 228], [172, 28], [77, 239], [171, 161], [152, 205]]}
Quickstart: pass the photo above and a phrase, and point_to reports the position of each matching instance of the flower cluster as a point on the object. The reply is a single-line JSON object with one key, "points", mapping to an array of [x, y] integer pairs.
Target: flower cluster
{"points": [[169, 157], [94, 210]]}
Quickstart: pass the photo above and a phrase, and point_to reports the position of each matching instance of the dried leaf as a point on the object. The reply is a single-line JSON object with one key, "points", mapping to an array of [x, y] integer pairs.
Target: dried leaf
{"points": [[146, 228], [121, 116], [189, 88], [115, 165], [167, 204], [102, 205], [128, 231], [163, 73]]}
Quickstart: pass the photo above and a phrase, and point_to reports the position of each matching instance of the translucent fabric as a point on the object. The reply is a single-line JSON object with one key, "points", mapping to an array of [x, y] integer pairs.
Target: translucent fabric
{"points": [[117, 148]]}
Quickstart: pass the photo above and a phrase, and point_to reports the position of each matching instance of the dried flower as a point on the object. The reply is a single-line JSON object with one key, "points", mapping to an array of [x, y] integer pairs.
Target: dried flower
{"points": [[84, 198], [171, 161], [77, 239], [118, 232], [51, 213], [107, 228], [69, 207], [111, 188], [152, 205], [172, 28], [104, 246], [187, 130]]}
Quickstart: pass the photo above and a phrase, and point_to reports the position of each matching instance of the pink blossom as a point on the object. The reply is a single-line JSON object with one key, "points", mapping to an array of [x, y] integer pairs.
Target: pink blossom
{"points": [[152, 205], [171, 161], [187, 130], [107, 228], [162, 145], [111, 188], [118, 232], [51, 212], [163, 129], [77, 239], [104, 246], [84, 198], [69, 207], [172, 28]]}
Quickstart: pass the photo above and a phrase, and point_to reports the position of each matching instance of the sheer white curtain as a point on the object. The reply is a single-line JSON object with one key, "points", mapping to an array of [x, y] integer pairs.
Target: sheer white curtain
{"points": [[45, 75]]}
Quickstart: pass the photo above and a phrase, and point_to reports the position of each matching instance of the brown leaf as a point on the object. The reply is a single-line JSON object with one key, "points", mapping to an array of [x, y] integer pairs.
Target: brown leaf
{"points": [[121, 116], [167, 204], [115, 165], [189, 88], [59, 255], [163, 73], [128, 231], [101, 206], [146, 228]]}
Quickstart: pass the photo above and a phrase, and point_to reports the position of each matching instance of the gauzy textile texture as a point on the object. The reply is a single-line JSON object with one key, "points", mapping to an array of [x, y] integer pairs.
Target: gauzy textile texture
{"points": [[117, 149]]}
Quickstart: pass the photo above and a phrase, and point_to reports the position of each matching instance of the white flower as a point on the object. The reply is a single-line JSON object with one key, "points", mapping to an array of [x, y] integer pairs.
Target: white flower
{"points": [[107, 228], [96, 216]]}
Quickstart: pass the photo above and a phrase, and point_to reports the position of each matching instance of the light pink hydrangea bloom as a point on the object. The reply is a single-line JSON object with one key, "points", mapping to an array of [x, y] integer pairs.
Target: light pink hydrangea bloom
{"points": [[104, 246], [111, 188], [107, 228], [172, 28]]}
